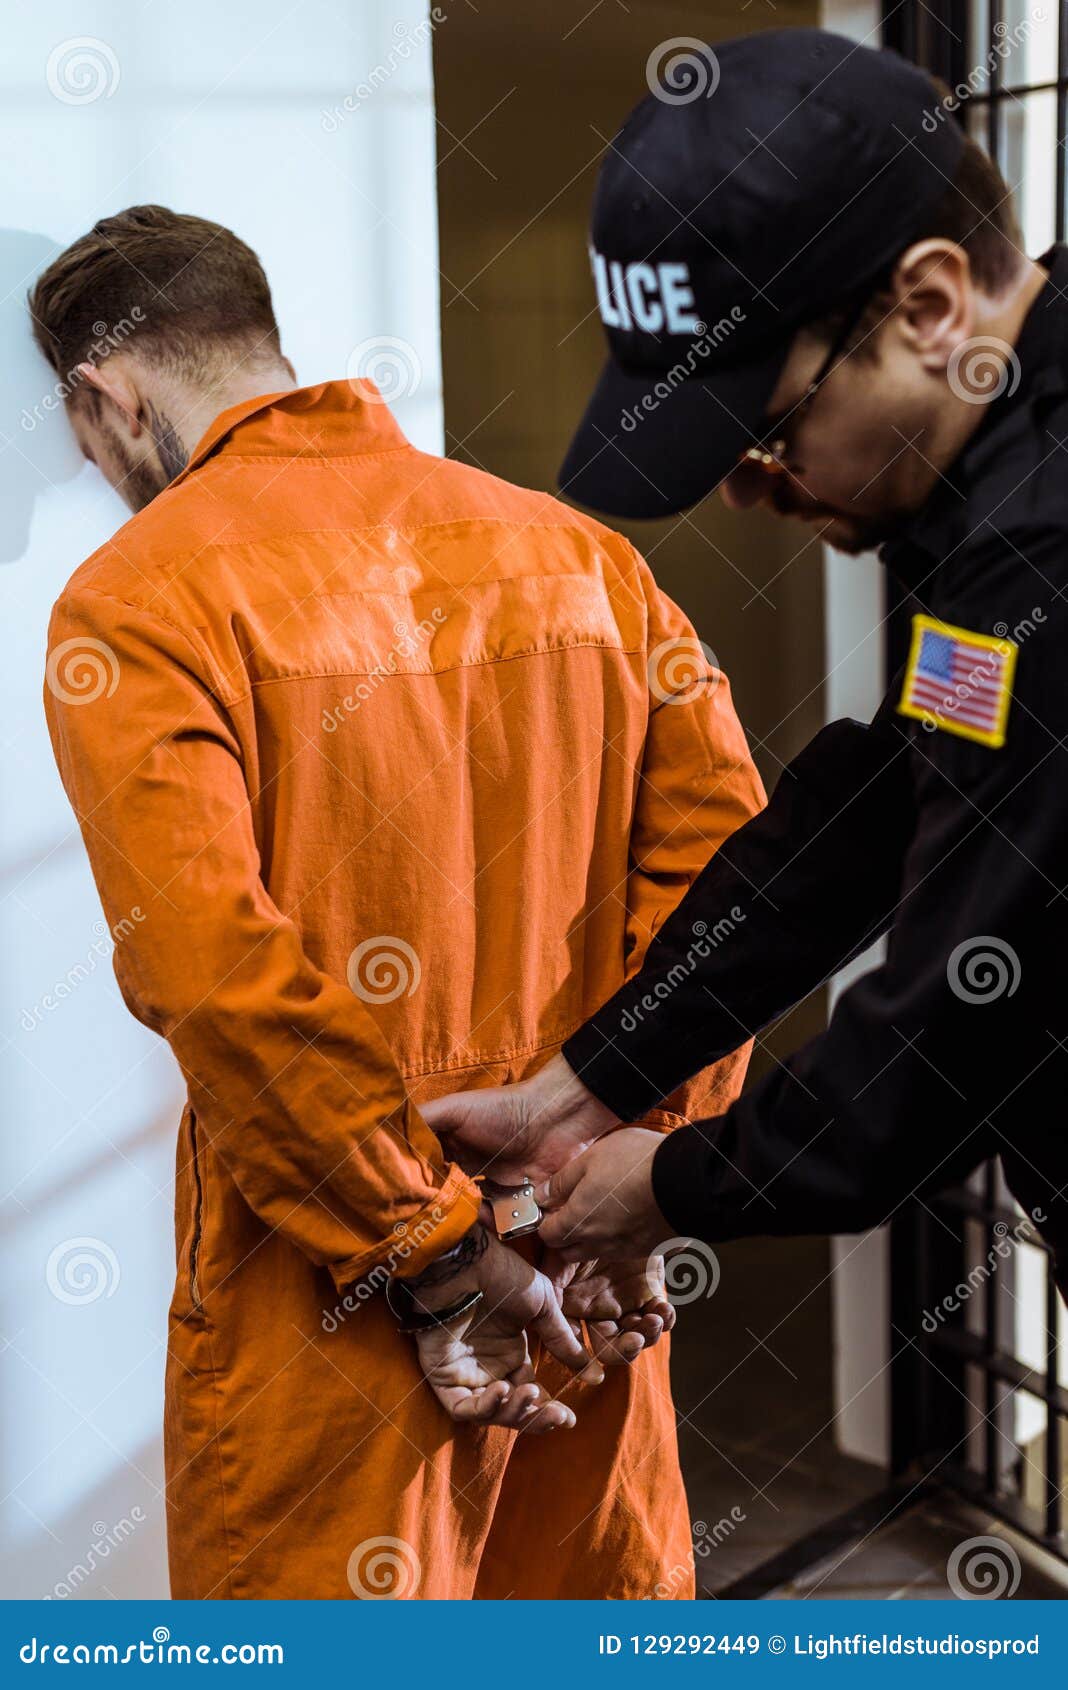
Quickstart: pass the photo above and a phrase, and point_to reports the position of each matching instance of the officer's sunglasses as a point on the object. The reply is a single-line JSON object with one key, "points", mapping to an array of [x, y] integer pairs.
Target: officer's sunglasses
{"points": [[772, 456]]}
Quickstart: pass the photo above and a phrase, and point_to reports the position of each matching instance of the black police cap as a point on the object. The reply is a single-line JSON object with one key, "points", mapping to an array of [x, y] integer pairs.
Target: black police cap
{"points": [[761, 184]]}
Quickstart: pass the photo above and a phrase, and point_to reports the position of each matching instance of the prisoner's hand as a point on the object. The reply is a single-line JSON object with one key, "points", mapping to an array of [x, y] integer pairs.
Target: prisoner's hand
{"points": [[624, 1304], [602, 1203], [526, 1130], [479, 1366]]}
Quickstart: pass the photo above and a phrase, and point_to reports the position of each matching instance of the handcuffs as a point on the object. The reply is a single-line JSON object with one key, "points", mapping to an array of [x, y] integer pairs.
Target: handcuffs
{"points": [[516, 1213]]}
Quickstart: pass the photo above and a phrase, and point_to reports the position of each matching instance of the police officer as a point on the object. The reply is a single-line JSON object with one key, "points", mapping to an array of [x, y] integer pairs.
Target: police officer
{"points": [[815, 298]]}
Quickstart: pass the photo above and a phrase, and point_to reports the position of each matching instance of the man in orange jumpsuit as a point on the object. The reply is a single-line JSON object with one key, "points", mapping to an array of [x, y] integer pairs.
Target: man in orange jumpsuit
{"points": [[395, 770]]}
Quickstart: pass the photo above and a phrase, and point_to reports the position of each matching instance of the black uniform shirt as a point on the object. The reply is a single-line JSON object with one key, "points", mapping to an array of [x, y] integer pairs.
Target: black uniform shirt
{"points": [[955, 1048]]}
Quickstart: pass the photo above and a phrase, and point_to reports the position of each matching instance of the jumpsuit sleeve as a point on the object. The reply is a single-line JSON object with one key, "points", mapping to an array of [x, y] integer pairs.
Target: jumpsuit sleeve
{"points": [[291, 1080], [954, 1049], [698, 784], [787, 900]]}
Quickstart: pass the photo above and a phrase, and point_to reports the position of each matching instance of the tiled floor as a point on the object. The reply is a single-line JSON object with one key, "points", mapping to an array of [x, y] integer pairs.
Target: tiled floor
{"points": [[911, 1557], [752, 1380]]}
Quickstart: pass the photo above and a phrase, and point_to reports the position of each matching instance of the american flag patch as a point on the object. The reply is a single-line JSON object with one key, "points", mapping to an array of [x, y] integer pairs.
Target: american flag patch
{"points": [[958, 680]]}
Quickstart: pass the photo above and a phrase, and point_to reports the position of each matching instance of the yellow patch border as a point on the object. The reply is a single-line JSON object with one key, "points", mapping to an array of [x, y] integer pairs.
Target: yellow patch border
{"points": [[994, 736]]}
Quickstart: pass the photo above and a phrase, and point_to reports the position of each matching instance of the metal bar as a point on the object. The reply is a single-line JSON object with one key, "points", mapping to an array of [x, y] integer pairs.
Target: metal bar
{"points": [[943, 1396], [1013, 90], [962, 1202], [1062, 111], [931, 1369], [1053, 1419], [1023, 1519], [953, 42], [991, 1385], [908, 1400], [852, 1527], [993, 116], [1008, 1368]]}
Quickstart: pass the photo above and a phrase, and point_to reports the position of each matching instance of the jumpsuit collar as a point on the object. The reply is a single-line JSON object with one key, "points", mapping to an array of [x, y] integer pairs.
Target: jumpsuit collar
{"points": [[333, 419]]}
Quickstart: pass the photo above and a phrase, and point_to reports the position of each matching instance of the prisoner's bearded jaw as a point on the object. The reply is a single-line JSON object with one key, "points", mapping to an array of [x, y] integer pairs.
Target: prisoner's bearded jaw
{"points": [[137, 481]]}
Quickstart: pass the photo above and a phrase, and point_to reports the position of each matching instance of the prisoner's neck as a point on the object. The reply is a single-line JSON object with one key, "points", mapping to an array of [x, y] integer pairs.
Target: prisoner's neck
{"points": [[179, 416]]}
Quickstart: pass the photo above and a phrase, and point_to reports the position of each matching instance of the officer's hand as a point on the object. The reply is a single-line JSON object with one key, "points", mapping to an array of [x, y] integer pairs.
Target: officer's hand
{"points": [[531, 1128], [623, 1304], [602, 1204], [479, 1366]]}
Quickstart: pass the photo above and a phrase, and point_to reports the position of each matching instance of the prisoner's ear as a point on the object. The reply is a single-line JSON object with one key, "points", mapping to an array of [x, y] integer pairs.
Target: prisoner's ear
{"points": [[935, 300], [114, 382]]}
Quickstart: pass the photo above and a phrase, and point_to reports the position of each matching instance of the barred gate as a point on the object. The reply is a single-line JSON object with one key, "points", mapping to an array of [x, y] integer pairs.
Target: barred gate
{"points": [[979, 1372]]}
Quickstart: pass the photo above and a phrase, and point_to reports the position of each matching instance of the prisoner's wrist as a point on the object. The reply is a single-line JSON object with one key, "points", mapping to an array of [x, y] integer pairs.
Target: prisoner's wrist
{"points": [[451, 1275], [556, 1088], [561, 1097]]}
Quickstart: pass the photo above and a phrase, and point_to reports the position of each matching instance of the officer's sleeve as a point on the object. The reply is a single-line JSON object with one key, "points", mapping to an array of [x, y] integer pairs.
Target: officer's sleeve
{"points": [[954, 1048], [293, 1084], [795, 893], [697, 786]]}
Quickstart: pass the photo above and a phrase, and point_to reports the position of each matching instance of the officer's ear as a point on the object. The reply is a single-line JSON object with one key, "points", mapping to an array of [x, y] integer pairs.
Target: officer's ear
{"points": [[934, 301]]}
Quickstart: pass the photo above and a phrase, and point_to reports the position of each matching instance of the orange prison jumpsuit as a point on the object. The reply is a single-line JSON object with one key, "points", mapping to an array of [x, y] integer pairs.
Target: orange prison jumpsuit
{"points": [[363, 747]]}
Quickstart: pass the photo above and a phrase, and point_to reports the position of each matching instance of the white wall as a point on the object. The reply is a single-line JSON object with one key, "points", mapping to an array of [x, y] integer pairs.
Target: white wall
{"points": [[310, 131], [853, 620], [854, 613]]}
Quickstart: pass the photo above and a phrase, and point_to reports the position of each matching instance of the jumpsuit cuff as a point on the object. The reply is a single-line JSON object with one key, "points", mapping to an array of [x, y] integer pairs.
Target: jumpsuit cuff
{"points": [[661, 1121], [420, 1238]]}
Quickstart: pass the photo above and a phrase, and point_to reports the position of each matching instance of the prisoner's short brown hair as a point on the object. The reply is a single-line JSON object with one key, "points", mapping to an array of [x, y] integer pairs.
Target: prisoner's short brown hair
{"points": [[182, 292]]}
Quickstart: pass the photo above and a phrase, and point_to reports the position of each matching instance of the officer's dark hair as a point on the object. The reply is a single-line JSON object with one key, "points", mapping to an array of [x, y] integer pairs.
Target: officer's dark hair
{"points": [[976, 212]]}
